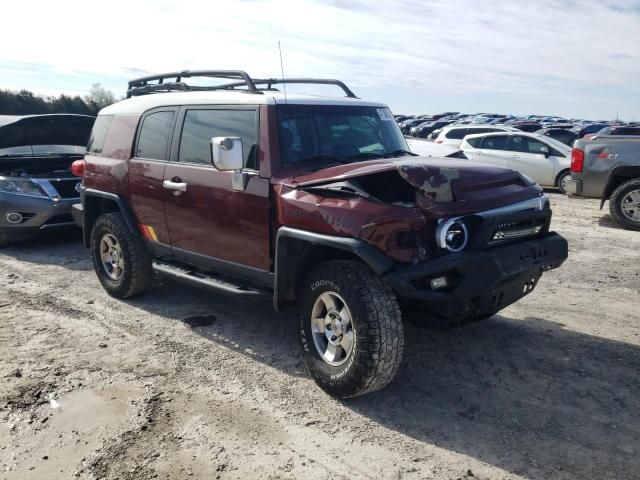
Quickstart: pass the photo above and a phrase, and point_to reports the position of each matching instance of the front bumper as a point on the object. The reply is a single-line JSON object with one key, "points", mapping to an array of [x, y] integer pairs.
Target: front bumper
{"points": [[480, 283], [39, 214], [77, 212], [574, 187]]}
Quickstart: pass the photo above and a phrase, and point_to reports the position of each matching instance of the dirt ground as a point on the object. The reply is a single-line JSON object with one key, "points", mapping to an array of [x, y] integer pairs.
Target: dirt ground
{"points": [[181, 383]]}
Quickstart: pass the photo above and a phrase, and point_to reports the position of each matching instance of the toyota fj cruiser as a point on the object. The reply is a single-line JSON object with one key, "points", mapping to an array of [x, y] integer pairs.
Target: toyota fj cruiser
{"points": [[315, 201]]}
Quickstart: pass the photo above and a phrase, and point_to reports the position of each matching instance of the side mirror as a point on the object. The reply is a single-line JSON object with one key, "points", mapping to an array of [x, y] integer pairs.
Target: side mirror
{"points": [[226, 153], [545, 151]]}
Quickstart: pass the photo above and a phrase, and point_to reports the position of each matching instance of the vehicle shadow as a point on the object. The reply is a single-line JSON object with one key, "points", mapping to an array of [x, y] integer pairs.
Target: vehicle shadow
{"points": [[62, 248], [607, 221], [528, 396]]}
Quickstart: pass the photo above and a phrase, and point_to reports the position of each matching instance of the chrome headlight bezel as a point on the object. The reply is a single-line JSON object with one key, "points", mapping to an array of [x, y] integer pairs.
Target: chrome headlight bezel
{"points": [[447, 230]]}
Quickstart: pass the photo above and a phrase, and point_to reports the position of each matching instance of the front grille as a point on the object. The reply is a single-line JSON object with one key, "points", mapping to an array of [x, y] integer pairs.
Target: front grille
{"points": [[66, 188], [517, 229]]}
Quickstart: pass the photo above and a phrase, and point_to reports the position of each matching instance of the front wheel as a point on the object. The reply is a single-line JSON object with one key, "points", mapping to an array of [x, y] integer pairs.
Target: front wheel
{"points": [[624, 204], [120, 258], [351, 329]]}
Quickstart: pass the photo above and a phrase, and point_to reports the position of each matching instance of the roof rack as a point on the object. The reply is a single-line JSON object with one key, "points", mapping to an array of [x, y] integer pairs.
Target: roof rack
{"points": [[269, 82], [156, 83]]}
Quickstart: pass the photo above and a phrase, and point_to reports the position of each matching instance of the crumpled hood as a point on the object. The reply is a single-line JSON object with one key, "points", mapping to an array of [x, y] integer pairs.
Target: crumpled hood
{"points": [[445, 186]]}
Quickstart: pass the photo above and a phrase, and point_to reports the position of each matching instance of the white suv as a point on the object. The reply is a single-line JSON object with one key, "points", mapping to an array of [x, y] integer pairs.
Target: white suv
{"points": [[544, 159], [453, 134]]}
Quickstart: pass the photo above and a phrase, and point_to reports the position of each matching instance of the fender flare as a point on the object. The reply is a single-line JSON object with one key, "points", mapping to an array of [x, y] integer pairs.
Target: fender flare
{"points": [[89, 215], [626, 172], [286, 266]]}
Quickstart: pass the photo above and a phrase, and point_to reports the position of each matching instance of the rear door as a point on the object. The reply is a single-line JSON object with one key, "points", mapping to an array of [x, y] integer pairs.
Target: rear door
{"points": [[527, 156], [146, 173], [493, 150], [209, 222]]}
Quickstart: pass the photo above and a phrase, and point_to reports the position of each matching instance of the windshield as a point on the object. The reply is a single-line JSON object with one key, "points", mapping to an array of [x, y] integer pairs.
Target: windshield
{"points": [[337, 133]]}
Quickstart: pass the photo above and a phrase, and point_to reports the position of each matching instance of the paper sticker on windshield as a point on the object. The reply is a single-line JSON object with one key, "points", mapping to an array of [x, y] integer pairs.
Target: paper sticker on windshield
{"points": [[385, 114]]}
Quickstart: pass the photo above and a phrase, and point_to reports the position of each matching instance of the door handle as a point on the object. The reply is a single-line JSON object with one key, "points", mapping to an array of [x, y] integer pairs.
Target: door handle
{"points": [[178, 186]]}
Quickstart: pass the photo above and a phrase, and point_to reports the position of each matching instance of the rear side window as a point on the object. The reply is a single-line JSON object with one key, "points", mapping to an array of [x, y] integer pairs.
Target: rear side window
{"points": [[201, 125], [475, 142], [498, 142], [457, 133], [154, 135], [99, 133], [626, 131]]}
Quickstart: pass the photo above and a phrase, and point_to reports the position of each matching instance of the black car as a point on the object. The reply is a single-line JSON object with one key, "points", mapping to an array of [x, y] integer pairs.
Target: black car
{"points": [[562, 134], [586, 130], [405, 126], [37, 187], [424, 130], [527, 127]]}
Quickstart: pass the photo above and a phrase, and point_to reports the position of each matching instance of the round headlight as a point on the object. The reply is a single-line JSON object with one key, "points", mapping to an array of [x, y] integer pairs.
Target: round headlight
{"points": [[453, 235]]}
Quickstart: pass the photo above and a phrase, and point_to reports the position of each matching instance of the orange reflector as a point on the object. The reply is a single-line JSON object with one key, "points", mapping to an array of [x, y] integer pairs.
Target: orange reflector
{"points": [[148, 232]]}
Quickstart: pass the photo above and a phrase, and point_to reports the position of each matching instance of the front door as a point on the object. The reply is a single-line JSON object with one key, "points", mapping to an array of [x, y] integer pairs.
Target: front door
{"points": [[209, 222], [528, 157]]}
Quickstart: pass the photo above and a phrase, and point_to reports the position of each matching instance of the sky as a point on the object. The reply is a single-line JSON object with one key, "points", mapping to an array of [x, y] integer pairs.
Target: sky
{"points": [[575, 58]]}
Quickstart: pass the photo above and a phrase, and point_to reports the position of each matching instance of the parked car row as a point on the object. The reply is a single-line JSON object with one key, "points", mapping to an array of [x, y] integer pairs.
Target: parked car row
{"points": [[565, 131]]}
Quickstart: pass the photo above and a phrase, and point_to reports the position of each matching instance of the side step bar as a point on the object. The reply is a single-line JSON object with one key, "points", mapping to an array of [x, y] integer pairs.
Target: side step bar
{"points": [[210, 282]]}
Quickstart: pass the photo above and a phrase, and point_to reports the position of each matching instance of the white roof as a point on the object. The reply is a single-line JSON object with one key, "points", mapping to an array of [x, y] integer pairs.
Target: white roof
{"points": [[142, 103]]}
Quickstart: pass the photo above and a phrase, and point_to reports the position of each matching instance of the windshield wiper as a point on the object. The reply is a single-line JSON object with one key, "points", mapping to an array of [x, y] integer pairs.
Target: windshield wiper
{"points": [[320, 158], [399, 153], [370, 155]]}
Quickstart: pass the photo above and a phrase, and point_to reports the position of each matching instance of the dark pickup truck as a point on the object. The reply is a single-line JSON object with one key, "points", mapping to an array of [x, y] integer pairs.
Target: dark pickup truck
{"points": [[608, 167], [313, 201]]}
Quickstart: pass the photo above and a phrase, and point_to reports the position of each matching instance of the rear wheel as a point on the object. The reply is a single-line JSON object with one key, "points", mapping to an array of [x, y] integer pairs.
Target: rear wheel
{"points": [[120, 258], [624, 204], [562, 181], [351, 329]]}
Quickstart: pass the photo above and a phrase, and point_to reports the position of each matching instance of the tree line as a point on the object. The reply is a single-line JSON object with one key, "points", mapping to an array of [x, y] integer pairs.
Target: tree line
{"points": [[25, 102]]}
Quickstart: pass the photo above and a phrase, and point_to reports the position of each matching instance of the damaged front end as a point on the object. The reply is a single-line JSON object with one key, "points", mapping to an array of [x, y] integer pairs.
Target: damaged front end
{"points": [[456, 231], [398, 206]]}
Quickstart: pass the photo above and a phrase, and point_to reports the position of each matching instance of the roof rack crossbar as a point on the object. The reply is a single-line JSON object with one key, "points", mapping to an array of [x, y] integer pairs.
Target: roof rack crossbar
{"points": [[269, 82], [141, 86]]}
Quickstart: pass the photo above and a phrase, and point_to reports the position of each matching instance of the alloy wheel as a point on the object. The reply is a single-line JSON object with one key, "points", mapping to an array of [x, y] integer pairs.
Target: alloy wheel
{"points": [[111, 256], [332, 328]]}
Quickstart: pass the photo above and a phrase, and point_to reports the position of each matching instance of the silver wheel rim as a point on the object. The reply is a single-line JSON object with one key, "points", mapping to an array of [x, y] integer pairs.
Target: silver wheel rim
{"points": [[563, 182], [630, 205], [332, 328], [111, 256]]}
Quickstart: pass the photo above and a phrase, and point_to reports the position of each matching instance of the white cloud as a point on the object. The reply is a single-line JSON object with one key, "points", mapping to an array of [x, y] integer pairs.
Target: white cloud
{"points": [[543, 49]]}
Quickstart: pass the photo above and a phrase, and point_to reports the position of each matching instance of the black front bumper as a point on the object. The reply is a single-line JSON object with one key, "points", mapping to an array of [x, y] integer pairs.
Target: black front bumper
{"points": [[480, 282]]}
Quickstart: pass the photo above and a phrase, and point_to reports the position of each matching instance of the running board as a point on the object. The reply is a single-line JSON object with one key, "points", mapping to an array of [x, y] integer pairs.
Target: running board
{"points": [[210, 282]]}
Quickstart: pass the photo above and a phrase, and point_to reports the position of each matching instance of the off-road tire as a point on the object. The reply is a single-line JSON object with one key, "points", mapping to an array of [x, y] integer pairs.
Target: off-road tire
{"points": [[138, 275], [561, 177], [615, 204], [376, 320]]}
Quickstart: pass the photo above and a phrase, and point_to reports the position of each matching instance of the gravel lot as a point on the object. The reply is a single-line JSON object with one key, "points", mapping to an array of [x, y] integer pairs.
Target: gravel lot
{"points": [[181, 383]]}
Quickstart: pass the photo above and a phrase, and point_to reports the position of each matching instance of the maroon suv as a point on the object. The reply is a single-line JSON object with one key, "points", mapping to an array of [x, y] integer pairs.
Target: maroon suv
{"points": [[315, 201]]}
